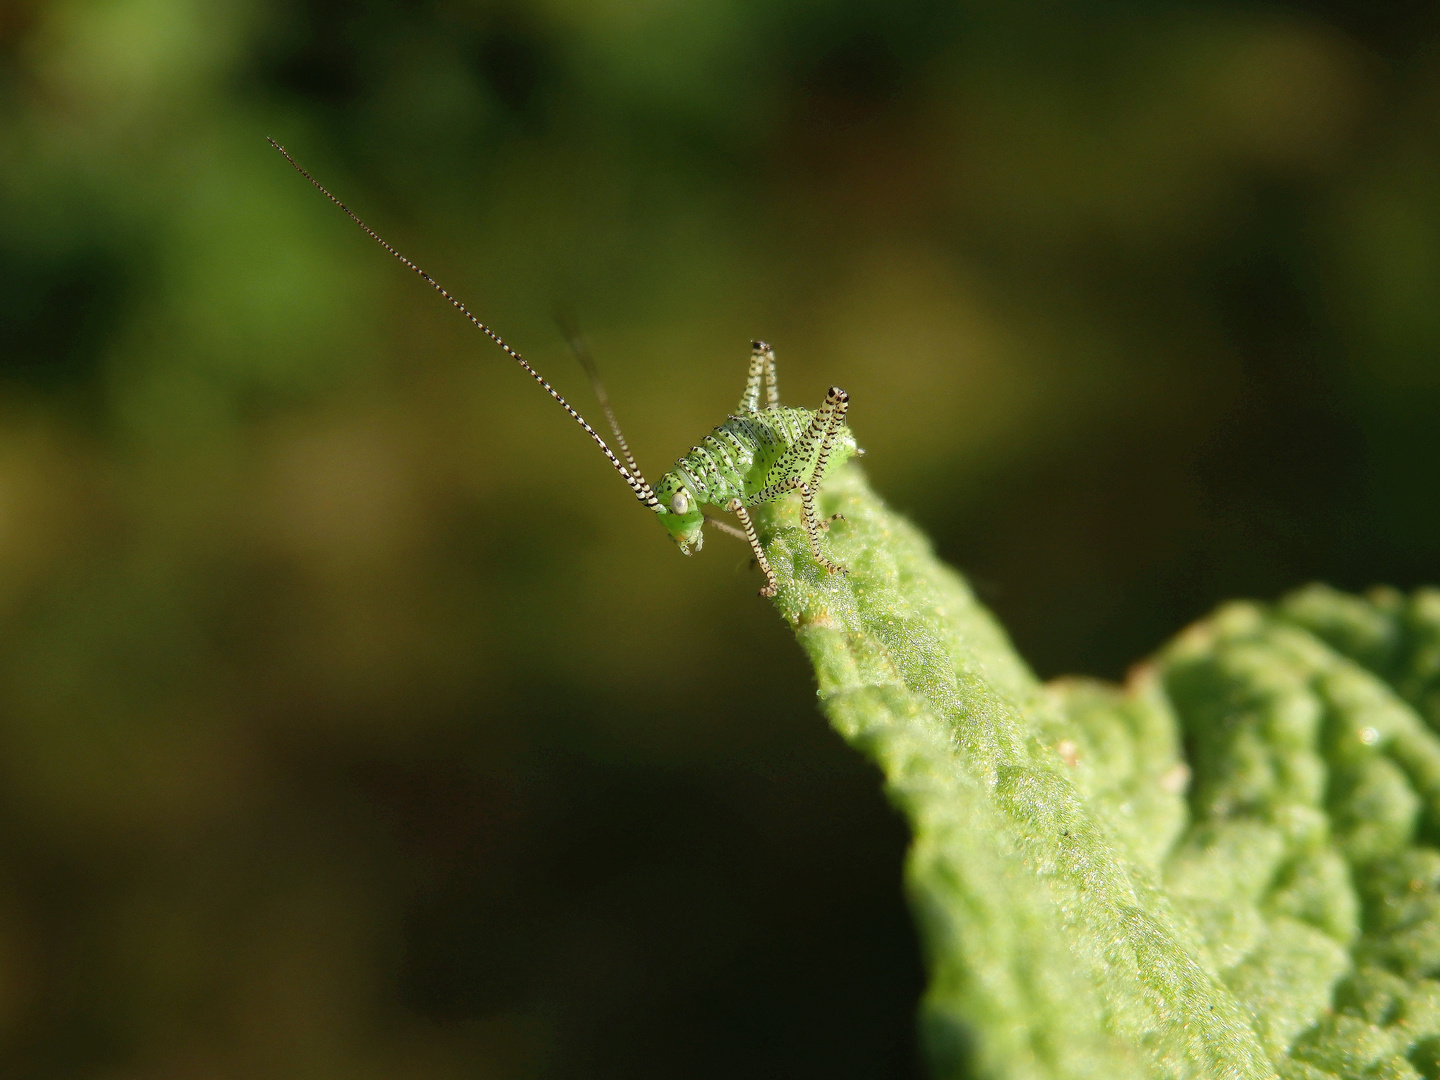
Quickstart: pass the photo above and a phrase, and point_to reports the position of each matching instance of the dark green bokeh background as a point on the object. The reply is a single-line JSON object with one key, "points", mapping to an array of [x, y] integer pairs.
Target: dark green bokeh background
{"points": [[354, 722]]}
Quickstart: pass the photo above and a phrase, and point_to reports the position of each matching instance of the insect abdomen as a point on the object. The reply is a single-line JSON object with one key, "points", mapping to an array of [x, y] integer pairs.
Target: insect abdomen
{"points": [[732, 461]]}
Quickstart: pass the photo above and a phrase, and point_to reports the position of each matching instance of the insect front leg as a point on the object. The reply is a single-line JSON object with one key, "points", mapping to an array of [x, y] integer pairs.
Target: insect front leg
{"points": [[738, 509], [762, 369]]}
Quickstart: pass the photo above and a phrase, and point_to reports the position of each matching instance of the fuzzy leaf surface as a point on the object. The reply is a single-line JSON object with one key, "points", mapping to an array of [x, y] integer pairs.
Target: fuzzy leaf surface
{"points": [[1094, 901]]}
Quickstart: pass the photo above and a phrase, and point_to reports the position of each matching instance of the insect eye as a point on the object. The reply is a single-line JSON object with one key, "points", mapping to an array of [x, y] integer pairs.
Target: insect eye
{"points": [[680, 502]]}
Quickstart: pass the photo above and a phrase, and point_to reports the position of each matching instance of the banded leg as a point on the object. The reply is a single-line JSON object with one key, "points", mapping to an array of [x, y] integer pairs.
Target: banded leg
{"points": [[809, 518], [762, 369], [771, 586], [819, 439], [837, 404], [725, 527], [813, 445], [772, 386]]}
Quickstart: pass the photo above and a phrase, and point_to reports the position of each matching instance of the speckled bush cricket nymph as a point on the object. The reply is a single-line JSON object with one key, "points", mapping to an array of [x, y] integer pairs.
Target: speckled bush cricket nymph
{"points": [[758, 454]]}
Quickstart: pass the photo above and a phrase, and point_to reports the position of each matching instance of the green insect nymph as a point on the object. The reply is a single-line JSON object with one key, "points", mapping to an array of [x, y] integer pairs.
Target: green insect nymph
{"points": [[758, 454]]}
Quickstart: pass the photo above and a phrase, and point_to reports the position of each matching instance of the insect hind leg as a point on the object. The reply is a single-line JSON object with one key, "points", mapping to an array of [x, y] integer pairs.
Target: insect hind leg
{"points": [[819, 440], [837, 404], [772, 385], [762, 370], [827, 423]]}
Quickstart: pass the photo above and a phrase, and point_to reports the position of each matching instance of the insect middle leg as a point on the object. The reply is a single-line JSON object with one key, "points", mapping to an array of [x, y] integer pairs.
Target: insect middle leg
{"points": [[809, 518]]}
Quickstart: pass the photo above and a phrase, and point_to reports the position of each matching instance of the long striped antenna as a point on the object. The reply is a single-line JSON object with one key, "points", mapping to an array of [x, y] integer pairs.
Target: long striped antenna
{"points": [[631, 475], [581, 348]]}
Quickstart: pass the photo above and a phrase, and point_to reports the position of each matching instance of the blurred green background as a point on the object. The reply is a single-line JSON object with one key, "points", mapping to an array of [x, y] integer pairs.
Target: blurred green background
{"points": [[354, 722]]}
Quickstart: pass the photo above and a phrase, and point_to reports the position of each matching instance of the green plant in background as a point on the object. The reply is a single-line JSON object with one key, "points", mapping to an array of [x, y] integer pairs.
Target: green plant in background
{"points": [[1082, 916], [756, 456], [329, 744], [1091, 902]]}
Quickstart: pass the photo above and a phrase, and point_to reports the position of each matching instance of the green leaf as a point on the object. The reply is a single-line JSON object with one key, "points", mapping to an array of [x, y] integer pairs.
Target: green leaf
{"points": [[1093, 904]]}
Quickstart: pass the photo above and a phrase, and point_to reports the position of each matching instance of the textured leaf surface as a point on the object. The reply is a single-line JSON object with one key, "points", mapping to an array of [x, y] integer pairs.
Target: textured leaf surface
{"points": [[1092, 901]]}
